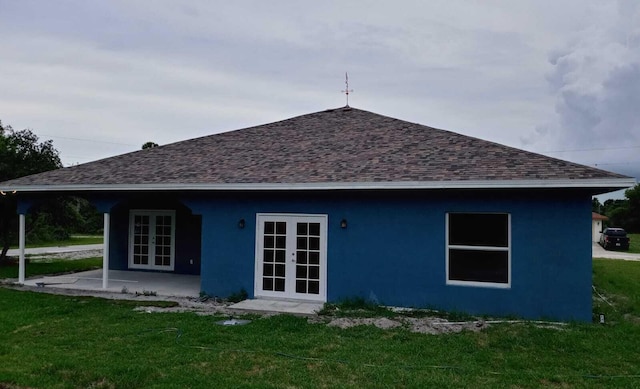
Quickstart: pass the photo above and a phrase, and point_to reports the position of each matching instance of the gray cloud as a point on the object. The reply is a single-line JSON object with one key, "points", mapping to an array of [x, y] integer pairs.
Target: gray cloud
{"points": [[595, 78]]}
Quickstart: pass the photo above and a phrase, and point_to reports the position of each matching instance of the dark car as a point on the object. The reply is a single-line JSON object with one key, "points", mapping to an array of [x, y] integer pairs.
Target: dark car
{"points": [[614, 238]]}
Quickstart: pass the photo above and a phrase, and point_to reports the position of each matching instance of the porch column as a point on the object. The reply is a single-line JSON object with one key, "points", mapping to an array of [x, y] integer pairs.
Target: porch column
{"points": [[105, 251], [21, 233]]}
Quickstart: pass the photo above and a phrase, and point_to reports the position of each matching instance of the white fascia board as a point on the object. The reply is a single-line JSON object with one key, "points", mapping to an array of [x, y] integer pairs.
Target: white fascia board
{"points": [[615, 183]]}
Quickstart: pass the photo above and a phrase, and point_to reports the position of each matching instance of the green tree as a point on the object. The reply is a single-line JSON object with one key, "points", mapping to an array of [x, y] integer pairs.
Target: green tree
{"points": [[20, 155], [596, 206], [149, 145], [633, 216], [617, 211]]}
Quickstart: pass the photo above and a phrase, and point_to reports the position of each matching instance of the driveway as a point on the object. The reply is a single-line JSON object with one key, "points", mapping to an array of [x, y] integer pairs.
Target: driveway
{"points": [[599, 252], [55, 250]]}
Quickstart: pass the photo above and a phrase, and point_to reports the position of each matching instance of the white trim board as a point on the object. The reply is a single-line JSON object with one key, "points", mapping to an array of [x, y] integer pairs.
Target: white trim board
{"points": [[610, 183]]}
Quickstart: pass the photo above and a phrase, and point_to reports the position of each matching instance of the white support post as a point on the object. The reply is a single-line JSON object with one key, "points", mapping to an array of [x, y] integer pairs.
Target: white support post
{"points": [[21, 263], [105, 252]]}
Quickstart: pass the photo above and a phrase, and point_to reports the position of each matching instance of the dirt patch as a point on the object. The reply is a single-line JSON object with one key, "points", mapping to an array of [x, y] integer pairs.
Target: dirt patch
{"points": [[380, 322], [425, 325]]}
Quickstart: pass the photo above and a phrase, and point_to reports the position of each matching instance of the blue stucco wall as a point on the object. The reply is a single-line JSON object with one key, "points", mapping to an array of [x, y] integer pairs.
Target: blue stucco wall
{"points": [[394, 248], [187, 234]]}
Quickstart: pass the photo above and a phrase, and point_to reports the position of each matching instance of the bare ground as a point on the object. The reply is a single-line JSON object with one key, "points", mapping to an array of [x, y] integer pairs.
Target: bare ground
{"points": [[212, 307]]}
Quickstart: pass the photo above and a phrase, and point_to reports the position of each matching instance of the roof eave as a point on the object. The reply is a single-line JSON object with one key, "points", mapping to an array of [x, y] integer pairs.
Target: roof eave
{"points": [[602, 185]]}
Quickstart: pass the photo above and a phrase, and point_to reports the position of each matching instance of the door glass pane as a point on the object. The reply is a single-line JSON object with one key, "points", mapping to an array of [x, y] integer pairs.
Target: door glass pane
{"points": [[269, 228], [301, 271], [314, 272], [314, 258], [301, 286], [279, 284], [314, 243], [314, 229], [302, 243]]}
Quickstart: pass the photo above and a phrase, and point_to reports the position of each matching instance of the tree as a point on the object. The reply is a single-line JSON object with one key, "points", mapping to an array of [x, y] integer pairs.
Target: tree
{"points": [[596, 206], [617, 211], [633, 217], [20, 154], [149, 145]]}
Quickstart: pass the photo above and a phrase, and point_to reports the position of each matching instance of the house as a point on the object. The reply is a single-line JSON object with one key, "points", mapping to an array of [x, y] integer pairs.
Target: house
{"points": [[344, 203], [597, 225]]}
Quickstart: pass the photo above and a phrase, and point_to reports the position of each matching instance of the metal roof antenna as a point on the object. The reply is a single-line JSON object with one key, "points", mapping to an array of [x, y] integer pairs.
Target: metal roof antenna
{"points": [[347, 90]]}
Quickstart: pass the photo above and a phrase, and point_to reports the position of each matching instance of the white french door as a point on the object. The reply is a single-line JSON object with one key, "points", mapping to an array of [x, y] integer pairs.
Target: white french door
{"points": [[291, 256], [151, 240]]}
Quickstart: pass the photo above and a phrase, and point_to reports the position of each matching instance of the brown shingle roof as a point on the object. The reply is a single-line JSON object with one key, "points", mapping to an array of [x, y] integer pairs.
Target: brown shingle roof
{"points": [[343, 145], [597, 216]]}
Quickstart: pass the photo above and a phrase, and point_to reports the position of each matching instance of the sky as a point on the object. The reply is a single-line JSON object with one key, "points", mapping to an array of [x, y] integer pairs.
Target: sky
{"points": [[101, 78]]}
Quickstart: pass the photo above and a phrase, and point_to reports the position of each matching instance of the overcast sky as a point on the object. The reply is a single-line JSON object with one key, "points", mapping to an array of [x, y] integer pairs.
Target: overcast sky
{"points": [[100, 78]]}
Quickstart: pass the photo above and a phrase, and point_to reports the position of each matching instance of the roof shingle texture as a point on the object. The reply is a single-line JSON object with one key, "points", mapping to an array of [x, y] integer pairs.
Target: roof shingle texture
{"points": [[344, 145]]}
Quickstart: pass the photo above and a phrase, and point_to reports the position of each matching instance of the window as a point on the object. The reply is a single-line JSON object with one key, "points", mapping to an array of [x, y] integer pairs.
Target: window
{"points": [[479, 249]]}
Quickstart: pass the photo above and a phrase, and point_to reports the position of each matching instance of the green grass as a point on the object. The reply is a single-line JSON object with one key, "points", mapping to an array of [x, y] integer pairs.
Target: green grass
{"points": [[634, 245], [49, 341], [74, 240], [35, 268], [619, 282]]}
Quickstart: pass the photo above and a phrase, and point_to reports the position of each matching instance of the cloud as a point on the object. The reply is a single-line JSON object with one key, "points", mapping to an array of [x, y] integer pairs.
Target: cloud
{"points": [[595, 79]]}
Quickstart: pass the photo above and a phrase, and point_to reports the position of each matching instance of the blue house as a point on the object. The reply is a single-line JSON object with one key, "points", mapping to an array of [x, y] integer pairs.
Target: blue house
{"points": [[345, 203]]}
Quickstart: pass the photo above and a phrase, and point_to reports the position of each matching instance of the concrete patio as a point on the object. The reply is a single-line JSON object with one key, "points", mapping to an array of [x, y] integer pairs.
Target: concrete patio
{"points": [[162, 284]]}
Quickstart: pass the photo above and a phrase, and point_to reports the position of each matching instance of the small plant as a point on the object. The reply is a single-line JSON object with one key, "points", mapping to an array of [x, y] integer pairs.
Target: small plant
{"points": [[204, 296], [238, 296], [147, 293], [355, 307], [124, 290]]}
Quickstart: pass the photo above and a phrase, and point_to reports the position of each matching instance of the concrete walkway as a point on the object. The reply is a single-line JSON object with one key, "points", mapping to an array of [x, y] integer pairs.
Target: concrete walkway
{"points": [[280, 306], [599, 252], [55, 250]]}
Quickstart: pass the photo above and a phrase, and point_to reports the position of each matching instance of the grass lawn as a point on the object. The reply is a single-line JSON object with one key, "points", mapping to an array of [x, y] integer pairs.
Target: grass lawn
{"points": [[634, 245], [74, 240], [35, 268], [49, 341]]}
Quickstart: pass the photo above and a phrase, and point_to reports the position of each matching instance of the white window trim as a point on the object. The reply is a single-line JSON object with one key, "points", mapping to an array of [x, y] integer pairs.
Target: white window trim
{"points": [[479, 284], [152, 212]]}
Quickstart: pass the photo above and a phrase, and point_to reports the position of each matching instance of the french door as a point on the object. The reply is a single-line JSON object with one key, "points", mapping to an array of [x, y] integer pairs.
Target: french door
{"points": [[151, 240], [291, 256]]}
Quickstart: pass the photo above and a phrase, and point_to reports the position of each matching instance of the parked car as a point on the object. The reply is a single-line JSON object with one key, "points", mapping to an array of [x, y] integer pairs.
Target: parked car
{"points": [[614, 238]]}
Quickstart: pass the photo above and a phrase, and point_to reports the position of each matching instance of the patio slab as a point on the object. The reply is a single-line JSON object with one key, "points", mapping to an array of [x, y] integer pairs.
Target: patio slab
{"points": [[279, 306], [162, 284]]}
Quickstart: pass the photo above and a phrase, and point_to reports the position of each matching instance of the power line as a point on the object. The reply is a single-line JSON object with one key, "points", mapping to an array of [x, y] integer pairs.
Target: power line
{"points": [[593, 149], [87, 140]]}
